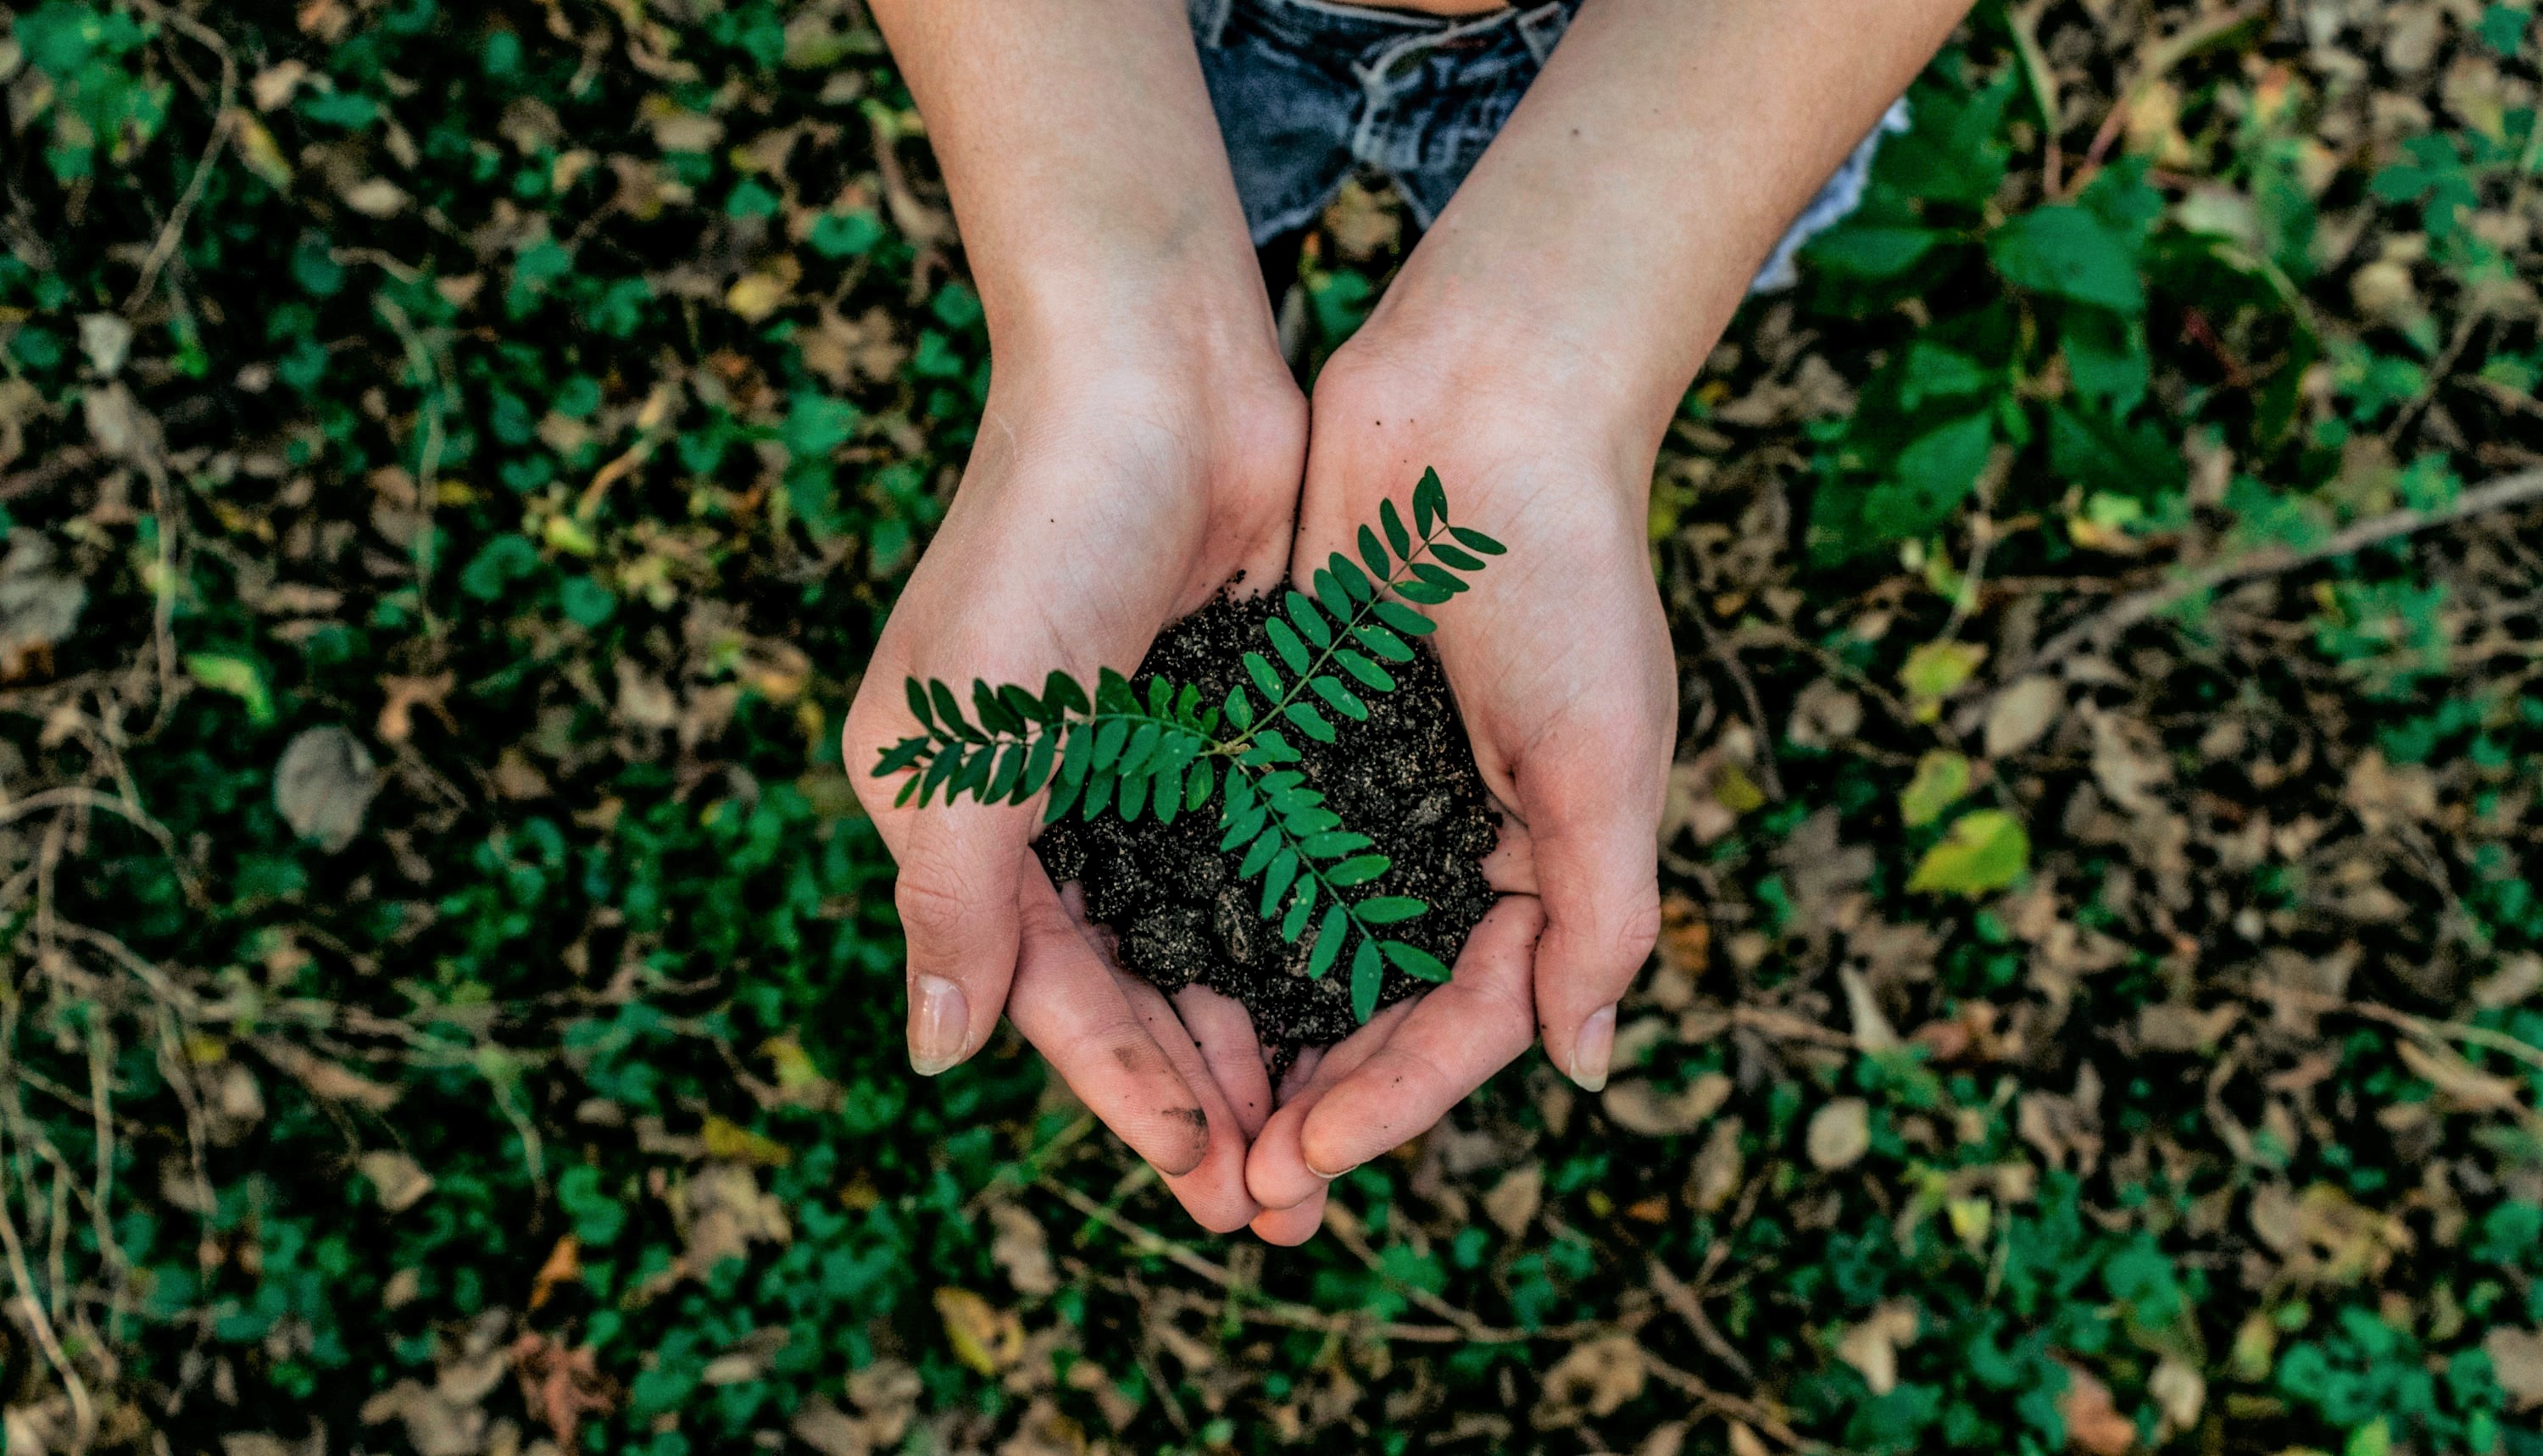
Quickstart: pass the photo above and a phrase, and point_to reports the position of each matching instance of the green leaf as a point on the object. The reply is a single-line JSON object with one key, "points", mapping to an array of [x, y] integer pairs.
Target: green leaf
{"points": [[1331, 597], [1275, 748], [1389, 909], [1383, 643], [1341, 698], [1266, 843], [899, 756], [1283, 868], [918, 707], [1446, 581], [908, 789], [1413, 960], [949, 714], [1423, 593], [1098, 791], [1942, 777], [1134, 761], [1327, 844], [1011, 767], [1309, 622], [1396, 536], [1986, 851], [2067, 251], [1113, 693], [1309, 722], [939, 772], [1078, 756], [1474, 540], [1353, 581], [1060, 691], [1240, 709], [1242, 827], [1443, 552], [1063, 795], [1286, 643], [1372, 553], [1359, 870], [1429, 503], [995, 716], [1370, 675], [1199, 781], [1300, 904], [1403, 619], [1037, 764], [1330, 936], [1240, 796], [1258, 667], [1133, 797], [1166, 794], [1023, 705], [1161, 698], [1871, 252], [1108, 739], [1368, 975]]}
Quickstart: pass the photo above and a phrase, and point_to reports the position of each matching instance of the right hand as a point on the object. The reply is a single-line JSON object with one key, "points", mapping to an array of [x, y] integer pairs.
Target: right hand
{"points": [[1117, 484]]}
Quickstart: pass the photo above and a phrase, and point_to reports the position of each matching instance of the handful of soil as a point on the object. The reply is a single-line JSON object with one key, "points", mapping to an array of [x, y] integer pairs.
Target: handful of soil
{"points": [[1404, 777]]}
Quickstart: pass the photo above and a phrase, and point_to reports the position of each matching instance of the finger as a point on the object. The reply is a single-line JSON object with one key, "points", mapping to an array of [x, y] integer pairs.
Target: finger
{"points": [[1600, 879], [961, 866], [1275, 1173], [1453, 1041], [1223, 1031], [1212, 1191], [1073, 1008], [1290, 1227]]}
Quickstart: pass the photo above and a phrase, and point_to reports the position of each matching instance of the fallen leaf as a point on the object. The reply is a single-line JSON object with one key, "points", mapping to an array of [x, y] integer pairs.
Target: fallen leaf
{"points": [[2516, 1363], [2021, 713], [105, 339], [1942, 777], [1718, 1168], [2179, 1391], [324, 786], [1514, 1201], [1840, 1134], [730, 1141], [1597, 1377], [273, 87], [983, 1337], [1986, 850], [1934, 671], [375, 197], [399, 1180], [1023, 1251], [1872, 1345], [563, 1265], [2093, 1422], [38, 605], [1637, 1106]]}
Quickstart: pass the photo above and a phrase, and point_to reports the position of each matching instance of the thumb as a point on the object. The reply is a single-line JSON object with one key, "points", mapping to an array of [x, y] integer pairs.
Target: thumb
{"points": [[1598, 877], [959, 869]]}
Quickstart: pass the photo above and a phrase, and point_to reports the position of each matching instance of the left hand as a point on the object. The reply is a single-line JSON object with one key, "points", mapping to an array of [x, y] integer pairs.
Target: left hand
{"points": [[1561, 663]]}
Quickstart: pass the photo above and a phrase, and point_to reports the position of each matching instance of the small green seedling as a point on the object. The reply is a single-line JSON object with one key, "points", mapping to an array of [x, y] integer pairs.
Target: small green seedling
{"points": [[1170, 755]]}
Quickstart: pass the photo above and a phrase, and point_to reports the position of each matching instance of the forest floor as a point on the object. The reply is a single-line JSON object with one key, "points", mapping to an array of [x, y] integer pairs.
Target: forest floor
{"points": [[453, 460]]}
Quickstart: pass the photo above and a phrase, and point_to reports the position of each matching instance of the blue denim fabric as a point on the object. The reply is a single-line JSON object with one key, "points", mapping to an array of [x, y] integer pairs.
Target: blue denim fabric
{"points": [[1309, 91]]}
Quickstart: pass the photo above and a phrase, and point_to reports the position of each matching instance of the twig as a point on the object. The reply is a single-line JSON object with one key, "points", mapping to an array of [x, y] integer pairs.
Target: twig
{"points": [[1754, 1412], [2025, 21], [2421, 1027], [1737, 672], [2437, 377], [2498, 494], [1688, 1306], [39, 1320], [165, 247], [2159, 60]]}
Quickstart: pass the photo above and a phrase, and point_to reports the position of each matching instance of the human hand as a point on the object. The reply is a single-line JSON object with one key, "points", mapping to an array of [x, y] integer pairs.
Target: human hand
{"points": [[1561, 663], [1099, 502]]}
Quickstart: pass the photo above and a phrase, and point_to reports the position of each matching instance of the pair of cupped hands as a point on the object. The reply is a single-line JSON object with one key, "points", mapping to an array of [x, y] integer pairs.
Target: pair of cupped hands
{"points": [[1117, 484]]}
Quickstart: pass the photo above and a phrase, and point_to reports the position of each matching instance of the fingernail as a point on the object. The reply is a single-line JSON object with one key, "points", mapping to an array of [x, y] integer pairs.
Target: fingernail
{"points": [[1597, 1043], [940, 1021], [1320, 1173]]}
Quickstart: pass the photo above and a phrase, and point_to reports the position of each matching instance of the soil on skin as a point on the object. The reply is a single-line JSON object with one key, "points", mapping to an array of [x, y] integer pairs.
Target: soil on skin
{"points": [[1406, 778]]}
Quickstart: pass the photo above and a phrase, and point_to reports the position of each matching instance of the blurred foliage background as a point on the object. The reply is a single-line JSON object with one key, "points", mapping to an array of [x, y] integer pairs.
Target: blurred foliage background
{"points": [[452, 462]]}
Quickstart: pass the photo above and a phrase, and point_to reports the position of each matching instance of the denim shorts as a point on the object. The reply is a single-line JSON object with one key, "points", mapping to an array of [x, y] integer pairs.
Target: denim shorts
{"points": [[1310, 90]]}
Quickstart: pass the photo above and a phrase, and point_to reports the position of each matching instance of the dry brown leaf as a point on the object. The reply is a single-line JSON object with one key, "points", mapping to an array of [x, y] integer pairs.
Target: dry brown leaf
{"points": [[1023, 1251], [2516, 1363], [983, 1335], [1636, 1106], [1872, 1345], [324, 786], [1718, 1168], [1595, 1377], [2094, 1424], [2022, 713], [399, 1180], [1840, 1134]]}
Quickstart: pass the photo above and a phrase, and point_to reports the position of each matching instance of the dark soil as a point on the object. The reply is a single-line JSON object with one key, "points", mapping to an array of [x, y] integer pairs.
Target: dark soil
{"points": [[1406, 778]]}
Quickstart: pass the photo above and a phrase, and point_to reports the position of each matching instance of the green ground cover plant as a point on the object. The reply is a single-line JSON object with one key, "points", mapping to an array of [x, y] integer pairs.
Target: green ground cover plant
{"points": [[453, 461]]}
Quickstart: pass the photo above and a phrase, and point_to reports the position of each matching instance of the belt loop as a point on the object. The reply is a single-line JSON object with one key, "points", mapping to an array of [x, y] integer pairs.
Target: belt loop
{"points": [[1542, 26], [1209, 21]]}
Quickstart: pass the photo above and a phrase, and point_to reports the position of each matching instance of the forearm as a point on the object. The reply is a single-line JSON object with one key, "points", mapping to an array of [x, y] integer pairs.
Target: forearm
{"points": [[1615, 225], [1085, 166]]}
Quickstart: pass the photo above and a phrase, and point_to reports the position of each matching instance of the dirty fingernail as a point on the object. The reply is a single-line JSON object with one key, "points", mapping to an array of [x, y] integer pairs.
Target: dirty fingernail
{"points": [[1597, 1043], [939, 1022]]}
